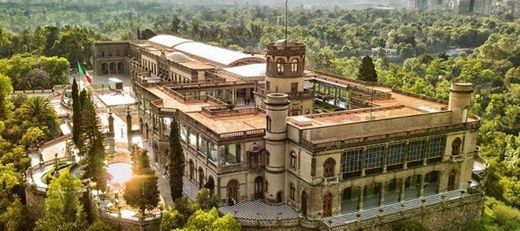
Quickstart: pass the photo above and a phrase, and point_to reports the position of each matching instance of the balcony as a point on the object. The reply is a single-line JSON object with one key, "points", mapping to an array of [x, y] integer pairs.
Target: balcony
{"points": [[330, 180], [230, 168]]}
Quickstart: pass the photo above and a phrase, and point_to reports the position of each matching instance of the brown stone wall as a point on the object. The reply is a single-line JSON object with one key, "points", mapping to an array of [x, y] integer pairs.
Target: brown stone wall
{"points": [[35, 202]]}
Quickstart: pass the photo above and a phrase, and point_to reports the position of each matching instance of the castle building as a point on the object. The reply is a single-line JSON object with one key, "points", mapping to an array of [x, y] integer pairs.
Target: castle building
{"points": [[260, 127]]}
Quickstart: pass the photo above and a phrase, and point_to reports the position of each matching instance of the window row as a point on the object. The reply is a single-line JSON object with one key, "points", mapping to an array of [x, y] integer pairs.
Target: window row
{"points": [[355, 160], [231, 153]]}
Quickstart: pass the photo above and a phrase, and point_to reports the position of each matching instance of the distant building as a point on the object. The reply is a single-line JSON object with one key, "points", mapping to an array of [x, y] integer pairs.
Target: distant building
{"points": [[485, 7], [251, 134], [426, 4]]}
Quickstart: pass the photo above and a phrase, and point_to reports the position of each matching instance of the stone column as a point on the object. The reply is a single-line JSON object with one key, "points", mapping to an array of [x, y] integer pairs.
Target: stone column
{"points": [[421, 186], [402, 189], [382, 194], [361, 198]]}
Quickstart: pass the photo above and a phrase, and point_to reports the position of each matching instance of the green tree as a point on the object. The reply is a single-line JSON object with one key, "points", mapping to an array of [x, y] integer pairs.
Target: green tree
{"points": [[100, 226], [204, 200], [176, 165], [76, 113], [5, 89], [210, 220], [171, 220], [141, 191], [367, 71], [32, 136], [37, 111], [93, 147], [63, 209]]}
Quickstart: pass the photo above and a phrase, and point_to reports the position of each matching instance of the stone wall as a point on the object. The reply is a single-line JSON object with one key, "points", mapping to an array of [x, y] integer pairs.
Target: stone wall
{"points": [[149, 224], [35, 199], [458, 215]]}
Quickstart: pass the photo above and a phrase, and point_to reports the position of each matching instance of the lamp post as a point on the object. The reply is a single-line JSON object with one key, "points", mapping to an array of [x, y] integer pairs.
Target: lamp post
{"points": [[118, 210]]}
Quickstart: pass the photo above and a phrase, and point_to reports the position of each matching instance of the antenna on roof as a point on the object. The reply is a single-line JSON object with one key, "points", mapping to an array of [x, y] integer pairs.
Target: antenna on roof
{"points": [[286, 18]]}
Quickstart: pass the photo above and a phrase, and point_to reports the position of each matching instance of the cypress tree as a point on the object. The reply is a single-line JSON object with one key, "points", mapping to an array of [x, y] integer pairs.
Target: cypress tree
{"points": [[367, 71], [92, 142], [76, 113], [176, 167]]}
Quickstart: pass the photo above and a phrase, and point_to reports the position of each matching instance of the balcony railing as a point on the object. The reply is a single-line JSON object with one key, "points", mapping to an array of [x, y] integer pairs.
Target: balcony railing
{"points": [[456, 158], [330, 180]]}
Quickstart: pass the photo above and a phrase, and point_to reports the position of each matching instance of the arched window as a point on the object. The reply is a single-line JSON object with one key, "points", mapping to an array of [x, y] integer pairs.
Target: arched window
{"points": [[279, 65], [293, 157], [292, 191], [455, 146], [259, 187], [294, 65], [328, 167], [201, 178]]}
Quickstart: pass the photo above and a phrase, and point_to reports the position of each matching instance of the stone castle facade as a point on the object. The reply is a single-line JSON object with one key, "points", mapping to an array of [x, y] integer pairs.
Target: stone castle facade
{"points": [[260, 127]]}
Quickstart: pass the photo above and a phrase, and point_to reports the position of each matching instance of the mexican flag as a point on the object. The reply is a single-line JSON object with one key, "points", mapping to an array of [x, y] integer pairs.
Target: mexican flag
{"points": [[85, 73]]}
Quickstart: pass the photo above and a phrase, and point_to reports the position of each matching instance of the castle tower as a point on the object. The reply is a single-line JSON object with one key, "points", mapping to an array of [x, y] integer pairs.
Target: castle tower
{"points": [[459, 102], [276, 112], [285, 74], [285, 66]]}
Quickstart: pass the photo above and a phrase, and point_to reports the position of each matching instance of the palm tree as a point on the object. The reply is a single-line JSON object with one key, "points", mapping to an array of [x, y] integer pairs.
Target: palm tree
{"points": [[38, 112]]}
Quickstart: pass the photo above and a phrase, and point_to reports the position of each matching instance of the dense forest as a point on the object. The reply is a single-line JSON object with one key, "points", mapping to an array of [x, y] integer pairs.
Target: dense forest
{"points": [[33, 35]]}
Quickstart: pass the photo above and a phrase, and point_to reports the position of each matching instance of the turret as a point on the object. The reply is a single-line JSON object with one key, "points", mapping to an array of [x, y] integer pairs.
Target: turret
{"points": [[285, 67], [276, 112], [459, 102]]}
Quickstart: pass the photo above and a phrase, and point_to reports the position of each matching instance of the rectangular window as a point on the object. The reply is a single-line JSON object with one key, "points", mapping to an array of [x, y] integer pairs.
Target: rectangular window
{"points": [[203, 148], [193, 139], [436, 147], [267, 85], [184, 132], [213, 150], [352, 161], [395, 154], [374, 158], [416, 150]]}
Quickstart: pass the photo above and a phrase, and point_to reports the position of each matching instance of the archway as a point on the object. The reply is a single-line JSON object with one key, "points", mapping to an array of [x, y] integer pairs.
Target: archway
{"points": [[431, 181], [451, 181], [304, 204], [327, 205], [120, 68], [259, 187], [279, 197], [191, 169], [104, 68], [113, 68], [201, 177], [232, 192], [210, 185]]}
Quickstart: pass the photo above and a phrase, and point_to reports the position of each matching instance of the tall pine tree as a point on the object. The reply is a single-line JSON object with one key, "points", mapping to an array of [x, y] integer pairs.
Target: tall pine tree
{"points": [[367, 71], [76, 113], [176, 167], [92, 142]]}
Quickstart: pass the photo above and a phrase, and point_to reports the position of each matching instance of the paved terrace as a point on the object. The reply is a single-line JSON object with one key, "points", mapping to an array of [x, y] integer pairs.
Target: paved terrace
{"points": [[259, 210]]}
